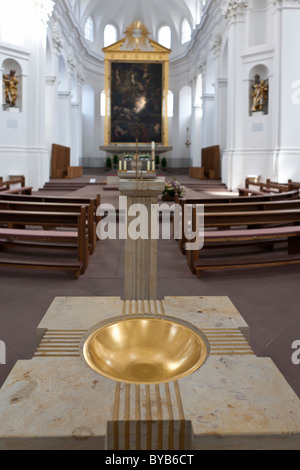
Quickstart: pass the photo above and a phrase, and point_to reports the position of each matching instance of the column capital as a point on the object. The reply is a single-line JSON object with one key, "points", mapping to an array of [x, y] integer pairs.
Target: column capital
{"points": [[71, 60], [215, 45], [202, 65], [57, 38], [44, 9], [232, 8]]}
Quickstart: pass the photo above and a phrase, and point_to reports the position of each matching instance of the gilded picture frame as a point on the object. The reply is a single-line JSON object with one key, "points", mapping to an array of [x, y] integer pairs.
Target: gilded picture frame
{"points": [[145, 64]]}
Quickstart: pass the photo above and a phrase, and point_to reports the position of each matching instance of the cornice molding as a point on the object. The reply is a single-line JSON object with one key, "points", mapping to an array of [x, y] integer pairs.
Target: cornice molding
{"points": [[287, 3]]}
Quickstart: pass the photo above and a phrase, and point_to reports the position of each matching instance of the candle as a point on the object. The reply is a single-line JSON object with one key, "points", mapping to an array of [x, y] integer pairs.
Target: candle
{"points": [[120, 165], [153, 145], [148, 166], [125, 166], [153, 166]]}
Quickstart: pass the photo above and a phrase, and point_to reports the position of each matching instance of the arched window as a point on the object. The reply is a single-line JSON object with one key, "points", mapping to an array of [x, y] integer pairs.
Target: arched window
{"points": [[89, 29], [110, 35], [186, 31], [170, 103], [164, 36], [198, 12], [102, 103]]}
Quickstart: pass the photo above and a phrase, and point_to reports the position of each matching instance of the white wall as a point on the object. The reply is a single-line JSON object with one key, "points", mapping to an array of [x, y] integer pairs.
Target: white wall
{"points": [[22, 129]]}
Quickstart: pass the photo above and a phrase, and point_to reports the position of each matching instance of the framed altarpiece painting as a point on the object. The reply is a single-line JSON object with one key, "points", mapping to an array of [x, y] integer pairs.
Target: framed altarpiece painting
{"points": [[136, 89]]}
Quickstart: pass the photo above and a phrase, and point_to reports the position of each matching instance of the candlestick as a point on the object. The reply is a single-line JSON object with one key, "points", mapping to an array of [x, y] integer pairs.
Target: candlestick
{"points": [[148, 166], [125, 166], [153, 166], [120, 165]]}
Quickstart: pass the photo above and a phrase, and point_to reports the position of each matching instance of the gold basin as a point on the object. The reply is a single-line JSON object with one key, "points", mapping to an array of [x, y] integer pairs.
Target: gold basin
{"points": [[144, 350]]}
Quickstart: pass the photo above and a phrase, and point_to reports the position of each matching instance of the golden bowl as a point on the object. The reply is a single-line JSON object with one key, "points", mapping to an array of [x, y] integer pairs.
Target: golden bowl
{"points": [[145, 350]]}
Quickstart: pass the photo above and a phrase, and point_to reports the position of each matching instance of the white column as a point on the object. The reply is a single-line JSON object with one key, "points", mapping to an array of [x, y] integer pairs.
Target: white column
{"points": [[51, 110], [232, 161], [76, 137], [63, 118], [222, 112], [193, 149], [287, 144], [208, 132]]}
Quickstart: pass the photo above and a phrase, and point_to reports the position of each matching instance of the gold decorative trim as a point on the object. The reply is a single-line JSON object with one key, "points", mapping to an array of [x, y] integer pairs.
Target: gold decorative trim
{"points": [[143, 307], [60, 343], [227, 341], [66, 343], [148, 417]]}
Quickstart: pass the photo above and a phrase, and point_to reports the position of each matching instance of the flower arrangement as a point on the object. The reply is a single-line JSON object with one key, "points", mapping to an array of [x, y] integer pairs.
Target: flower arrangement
{"points": [[128, 156], [173, 188], [144, 156]]}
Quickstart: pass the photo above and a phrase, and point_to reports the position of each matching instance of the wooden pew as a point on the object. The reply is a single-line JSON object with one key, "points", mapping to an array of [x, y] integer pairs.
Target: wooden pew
{"points": [[249, 192], [93, 202], [293, 185], [268, 186], [22, 190], [254, 206], [56, 207], [268, 226], [243, 204], [293, 194], [290, 184], [75, 222], [5, 186], [54, 199]]}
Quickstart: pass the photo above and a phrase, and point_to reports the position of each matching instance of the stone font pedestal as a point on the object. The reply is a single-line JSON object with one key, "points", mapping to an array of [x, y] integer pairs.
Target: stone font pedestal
{"points": [[140, 281]]}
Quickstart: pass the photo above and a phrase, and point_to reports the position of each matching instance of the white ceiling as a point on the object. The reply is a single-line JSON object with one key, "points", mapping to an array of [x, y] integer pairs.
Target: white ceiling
{"points": [[153, 13]]}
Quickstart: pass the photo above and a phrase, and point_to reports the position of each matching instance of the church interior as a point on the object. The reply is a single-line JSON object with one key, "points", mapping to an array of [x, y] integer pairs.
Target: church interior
{"points": [[185, 104]]}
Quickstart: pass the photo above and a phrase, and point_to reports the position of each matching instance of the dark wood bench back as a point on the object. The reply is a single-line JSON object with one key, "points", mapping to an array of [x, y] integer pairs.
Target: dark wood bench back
{"points": [[51, 219], [242, 199]]}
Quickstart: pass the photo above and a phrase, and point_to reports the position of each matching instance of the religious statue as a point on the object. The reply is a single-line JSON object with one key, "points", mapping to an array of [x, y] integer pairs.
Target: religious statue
{"points": [[11, 87], [259, 94]]}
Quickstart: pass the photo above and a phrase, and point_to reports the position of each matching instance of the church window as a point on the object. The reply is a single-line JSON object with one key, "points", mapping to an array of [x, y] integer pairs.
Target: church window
{"points": [[170, 103], [89, 29], [186, 31], [103, 103], [110, 35], [164, 36]]}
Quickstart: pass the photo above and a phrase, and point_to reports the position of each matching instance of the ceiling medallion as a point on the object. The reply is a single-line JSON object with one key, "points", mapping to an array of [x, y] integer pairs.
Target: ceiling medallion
{"points": [[137, 37]]}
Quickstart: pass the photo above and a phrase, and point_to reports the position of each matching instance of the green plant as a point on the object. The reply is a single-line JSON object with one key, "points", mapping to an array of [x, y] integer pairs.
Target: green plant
{"points": [[157, 159], [164, 163], [115, 161], [108, 163]]}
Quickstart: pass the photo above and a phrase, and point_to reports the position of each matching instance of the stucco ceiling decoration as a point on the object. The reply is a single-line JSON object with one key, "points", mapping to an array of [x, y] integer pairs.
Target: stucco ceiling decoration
{"points": [[136, 37]]}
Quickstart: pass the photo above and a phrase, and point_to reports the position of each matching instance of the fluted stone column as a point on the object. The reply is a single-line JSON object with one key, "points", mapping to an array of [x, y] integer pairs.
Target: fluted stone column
{"points": [[140, 280]]}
